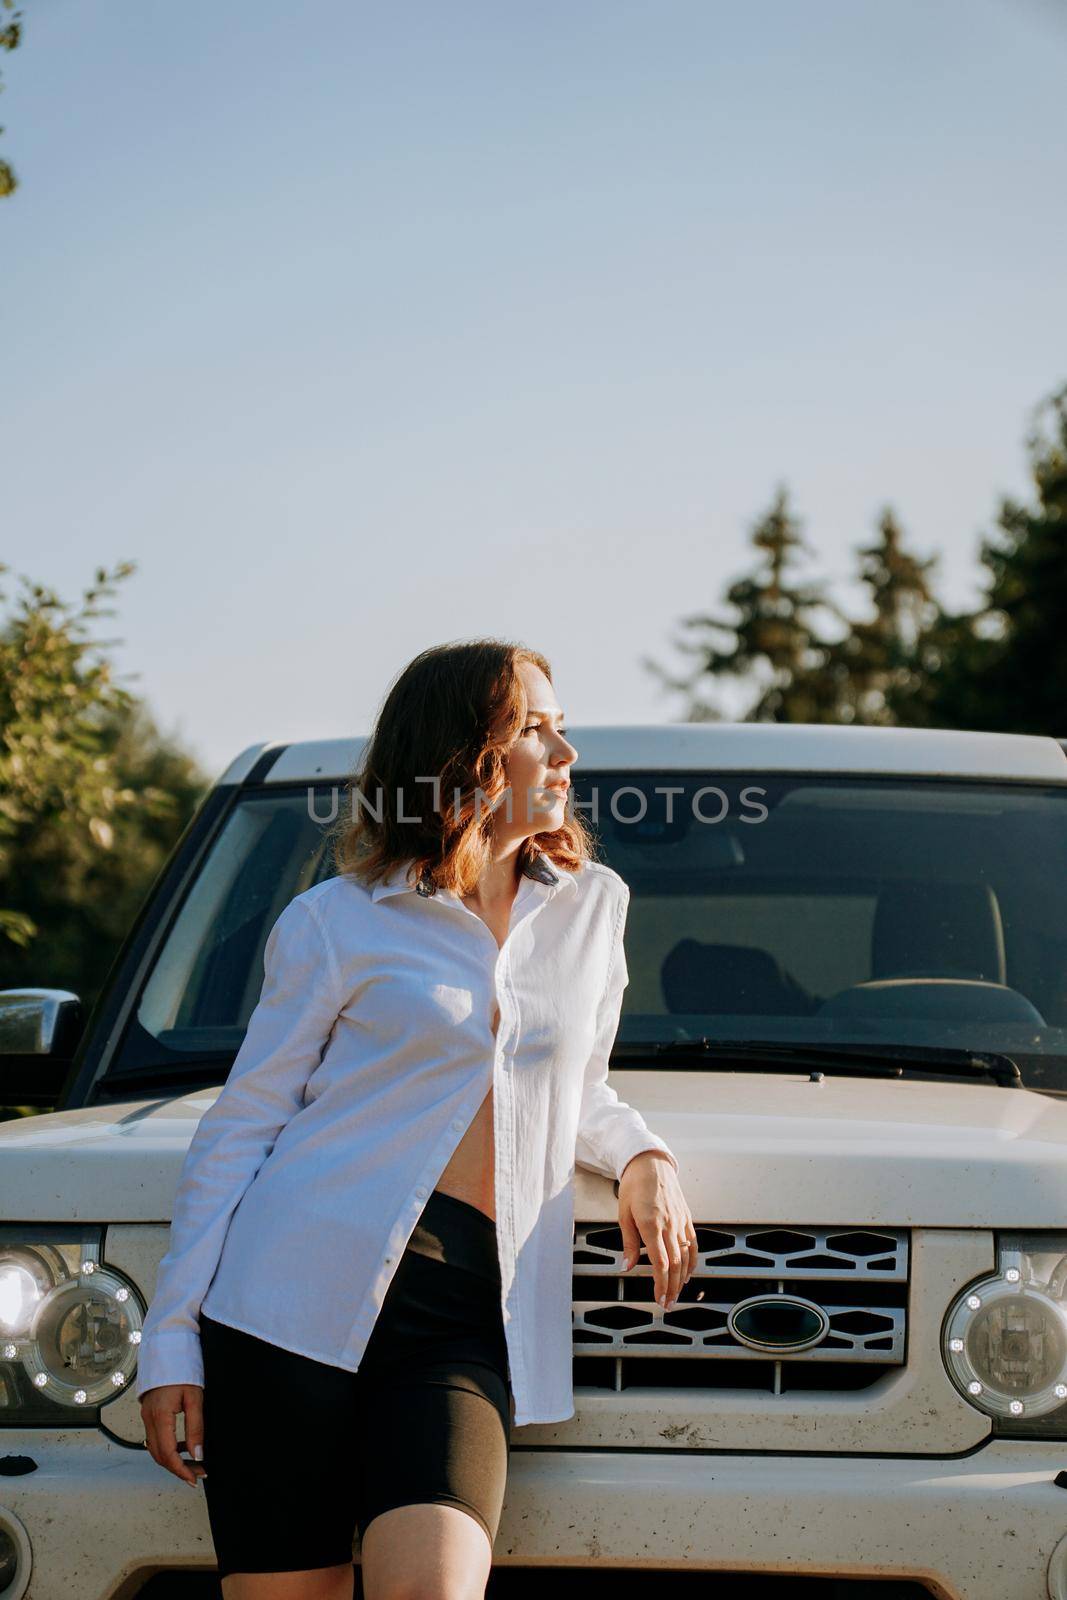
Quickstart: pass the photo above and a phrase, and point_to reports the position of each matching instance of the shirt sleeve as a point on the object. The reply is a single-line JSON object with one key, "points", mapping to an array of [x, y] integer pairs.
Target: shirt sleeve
{"points": [[292, 1021], [610, 1132]]}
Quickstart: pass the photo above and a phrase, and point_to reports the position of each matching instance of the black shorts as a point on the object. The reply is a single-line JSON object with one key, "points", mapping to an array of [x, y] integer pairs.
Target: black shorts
{"points": [[298, 1454]]}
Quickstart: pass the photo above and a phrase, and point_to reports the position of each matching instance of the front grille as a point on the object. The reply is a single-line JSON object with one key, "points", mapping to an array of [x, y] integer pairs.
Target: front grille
{"points": [[855, 1280]]}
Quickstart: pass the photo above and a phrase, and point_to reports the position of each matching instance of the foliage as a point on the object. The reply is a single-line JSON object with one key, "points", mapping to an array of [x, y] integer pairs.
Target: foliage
{"points": [[911, 662], [771, 640], [10, 39], [1005, 667], [91, 796], [875, 668]]}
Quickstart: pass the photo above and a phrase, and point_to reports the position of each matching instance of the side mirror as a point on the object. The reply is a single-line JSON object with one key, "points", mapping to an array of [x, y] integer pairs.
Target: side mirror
{"points": [[39, 1031]]}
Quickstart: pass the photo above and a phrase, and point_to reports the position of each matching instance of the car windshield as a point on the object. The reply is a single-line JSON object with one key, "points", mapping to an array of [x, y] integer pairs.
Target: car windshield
{"points": [[796, 908]]}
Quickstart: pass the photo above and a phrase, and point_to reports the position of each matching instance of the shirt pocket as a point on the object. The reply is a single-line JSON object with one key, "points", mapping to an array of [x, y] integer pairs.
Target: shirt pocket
{"points": [[452, 1001]]}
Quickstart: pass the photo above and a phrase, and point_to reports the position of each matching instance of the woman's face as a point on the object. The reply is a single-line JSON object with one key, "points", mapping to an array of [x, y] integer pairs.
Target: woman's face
{"points": [[538, 757]]}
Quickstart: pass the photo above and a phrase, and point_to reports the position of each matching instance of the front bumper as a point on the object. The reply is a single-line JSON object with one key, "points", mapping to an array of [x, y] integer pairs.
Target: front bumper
{"points": [[988, 1526]]}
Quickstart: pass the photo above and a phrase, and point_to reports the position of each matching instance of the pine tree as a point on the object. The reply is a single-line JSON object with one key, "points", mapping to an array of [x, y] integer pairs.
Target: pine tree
{"points": [[876, 665], [1005, 667], [774, 639]]}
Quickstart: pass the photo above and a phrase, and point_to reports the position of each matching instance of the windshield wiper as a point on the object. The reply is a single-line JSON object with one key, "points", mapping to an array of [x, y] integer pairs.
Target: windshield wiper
{"points": [[890, 1060]]}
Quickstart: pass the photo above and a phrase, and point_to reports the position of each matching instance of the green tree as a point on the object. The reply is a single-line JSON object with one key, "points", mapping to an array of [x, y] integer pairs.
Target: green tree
{"points": [[876, 666], [1004, 667], [10, 39], [91, 796], [772, 640]]}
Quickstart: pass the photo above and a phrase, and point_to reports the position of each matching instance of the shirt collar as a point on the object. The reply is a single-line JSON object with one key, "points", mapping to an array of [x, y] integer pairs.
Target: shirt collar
{"points": [[540, 869]]}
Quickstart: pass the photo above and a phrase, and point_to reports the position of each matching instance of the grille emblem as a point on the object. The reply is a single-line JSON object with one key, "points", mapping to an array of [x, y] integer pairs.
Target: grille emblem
{"points": [[778, 1322]]}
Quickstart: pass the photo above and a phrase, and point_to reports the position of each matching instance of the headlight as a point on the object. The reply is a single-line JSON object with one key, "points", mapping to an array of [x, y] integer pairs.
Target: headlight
{"points": [[69, 1326], [1004, 1339]]}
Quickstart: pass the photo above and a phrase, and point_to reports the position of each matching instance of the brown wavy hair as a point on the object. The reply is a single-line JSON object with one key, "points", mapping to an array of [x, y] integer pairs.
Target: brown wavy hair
{"points": [[451, 713]]}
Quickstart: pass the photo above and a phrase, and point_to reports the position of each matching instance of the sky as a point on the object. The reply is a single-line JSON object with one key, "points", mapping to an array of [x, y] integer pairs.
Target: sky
{"points": [[360, 329]]}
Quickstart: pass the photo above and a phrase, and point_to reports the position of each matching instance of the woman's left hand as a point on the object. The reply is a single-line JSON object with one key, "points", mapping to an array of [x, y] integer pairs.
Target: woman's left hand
{"points": [[653, 1210]]}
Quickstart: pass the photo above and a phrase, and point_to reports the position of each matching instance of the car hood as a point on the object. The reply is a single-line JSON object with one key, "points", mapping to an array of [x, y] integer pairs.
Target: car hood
{"points": [[752, 1147]]}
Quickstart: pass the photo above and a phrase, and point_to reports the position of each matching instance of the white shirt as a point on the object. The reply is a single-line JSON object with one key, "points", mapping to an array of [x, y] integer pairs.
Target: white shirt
{"points": [[367, 1055]]}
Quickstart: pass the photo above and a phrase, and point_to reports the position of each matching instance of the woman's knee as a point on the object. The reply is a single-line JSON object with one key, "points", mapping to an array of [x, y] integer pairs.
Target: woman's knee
{"points": [[425, 1552], [317, 1583]]}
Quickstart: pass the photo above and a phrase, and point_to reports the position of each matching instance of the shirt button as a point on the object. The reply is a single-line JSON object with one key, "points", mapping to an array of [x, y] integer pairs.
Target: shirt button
{"points": [[457, 1123], [420, 1194]]}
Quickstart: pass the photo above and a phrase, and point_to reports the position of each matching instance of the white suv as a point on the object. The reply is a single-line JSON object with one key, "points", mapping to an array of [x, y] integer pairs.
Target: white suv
{"points": [[847, 1014]]}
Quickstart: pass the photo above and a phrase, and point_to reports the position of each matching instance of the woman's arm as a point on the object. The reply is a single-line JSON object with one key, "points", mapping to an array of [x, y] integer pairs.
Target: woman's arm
{"points": [[610, 1132], [293, 1018]]}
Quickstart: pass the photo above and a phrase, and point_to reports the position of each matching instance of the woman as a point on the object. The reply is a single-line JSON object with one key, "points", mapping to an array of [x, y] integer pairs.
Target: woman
{"points": [[368, 1279]]}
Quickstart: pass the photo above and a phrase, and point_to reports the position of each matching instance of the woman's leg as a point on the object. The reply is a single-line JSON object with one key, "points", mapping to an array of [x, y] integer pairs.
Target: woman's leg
{"points": [[433, 1415], [422, 1552], [436, 1463], [319, 1583], [280, 1484]]}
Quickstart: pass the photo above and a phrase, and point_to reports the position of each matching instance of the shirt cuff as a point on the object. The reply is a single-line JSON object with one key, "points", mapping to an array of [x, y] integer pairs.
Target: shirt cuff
{"points": [[636, 1143], [170, 1356]]}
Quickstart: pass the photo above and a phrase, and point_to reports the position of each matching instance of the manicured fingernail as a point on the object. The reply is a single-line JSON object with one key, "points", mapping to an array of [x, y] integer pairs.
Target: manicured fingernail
{"points": [[198, 1452]]}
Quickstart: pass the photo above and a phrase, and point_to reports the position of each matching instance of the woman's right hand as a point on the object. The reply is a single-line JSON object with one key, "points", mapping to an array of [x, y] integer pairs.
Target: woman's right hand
{"points": [[159, 1407]]}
